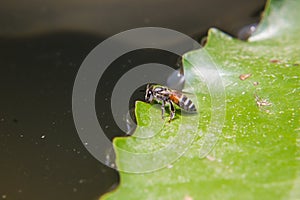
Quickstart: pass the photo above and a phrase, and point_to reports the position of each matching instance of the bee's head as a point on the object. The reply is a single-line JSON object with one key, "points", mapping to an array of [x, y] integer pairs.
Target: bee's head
{"points": [[149, 93]]}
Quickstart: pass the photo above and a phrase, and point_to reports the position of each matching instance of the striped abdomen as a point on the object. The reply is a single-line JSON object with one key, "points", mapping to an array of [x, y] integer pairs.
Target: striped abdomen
{"points": [[183, 102]]}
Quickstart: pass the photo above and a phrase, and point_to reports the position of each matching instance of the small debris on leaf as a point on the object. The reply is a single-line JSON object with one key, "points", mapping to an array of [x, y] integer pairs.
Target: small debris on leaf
{"points": [[188, 197], [210, 158], [275, 61], [245, 76], [296, 64], [262, 102]]}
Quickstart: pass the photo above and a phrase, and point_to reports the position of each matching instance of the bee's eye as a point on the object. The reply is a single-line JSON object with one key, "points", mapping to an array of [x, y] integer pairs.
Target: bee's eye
{"points": [[149, 96]]}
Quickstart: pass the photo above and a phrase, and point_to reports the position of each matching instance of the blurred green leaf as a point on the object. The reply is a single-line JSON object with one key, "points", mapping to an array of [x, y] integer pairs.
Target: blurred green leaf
{"points": [[257, 154]]}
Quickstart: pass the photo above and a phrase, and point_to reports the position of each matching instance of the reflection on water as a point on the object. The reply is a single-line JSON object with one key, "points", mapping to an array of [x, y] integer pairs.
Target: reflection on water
{"points": [[130, 122], [42, 155], [176, 80]]}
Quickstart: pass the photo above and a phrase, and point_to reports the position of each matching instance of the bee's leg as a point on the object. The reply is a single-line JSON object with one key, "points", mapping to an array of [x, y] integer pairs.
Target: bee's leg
{"points": [[163, 109], [172, 111]]}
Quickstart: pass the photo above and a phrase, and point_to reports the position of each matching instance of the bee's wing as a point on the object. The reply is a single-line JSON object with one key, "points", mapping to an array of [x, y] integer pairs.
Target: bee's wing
{"points": [[182, 92], [188, 93]]}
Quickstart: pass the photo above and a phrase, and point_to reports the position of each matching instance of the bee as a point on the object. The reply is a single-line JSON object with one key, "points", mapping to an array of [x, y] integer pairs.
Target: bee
{"points": [[164, 95]]}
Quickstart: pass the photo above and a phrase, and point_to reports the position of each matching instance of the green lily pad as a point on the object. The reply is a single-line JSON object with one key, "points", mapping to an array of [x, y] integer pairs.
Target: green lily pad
{"points": [[244, 142]]}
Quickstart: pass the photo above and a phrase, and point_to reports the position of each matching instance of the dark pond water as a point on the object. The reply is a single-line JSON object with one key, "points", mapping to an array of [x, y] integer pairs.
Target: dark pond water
{"points": [[41, 154]]}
